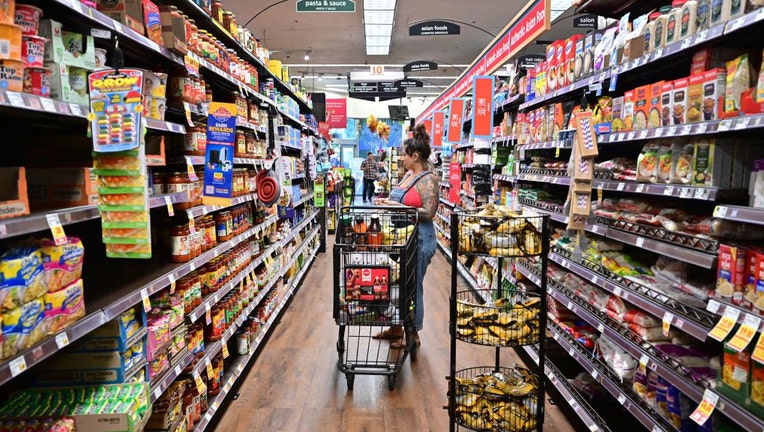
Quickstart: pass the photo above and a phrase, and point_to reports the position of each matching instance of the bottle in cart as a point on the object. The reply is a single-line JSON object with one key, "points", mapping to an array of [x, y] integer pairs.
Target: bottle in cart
{"points": [[384, 291], [375, 231], [360, 230], [377, 288]]}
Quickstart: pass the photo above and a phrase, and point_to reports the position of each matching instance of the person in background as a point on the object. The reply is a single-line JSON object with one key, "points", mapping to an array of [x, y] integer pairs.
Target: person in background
{"points": [[370, 170], [417, 189]]}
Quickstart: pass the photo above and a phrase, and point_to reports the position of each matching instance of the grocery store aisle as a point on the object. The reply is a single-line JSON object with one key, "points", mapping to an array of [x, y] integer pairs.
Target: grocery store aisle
{"points": [[295, 386]]}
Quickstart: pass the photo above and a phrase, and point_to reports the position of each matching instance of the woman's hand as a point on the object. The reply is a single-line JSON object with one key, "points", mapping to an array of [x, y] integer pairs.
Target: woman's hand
{"points": [[385, 202]]}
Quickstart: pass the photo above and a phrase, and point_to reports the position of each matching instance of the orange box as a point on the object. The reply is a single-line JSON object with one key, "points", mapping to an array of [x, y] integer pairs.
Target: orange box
{"points": [[641, 107], [14, 200], [127, 12], [654, 109], [62, 187], [694, 111], [679, 101]]}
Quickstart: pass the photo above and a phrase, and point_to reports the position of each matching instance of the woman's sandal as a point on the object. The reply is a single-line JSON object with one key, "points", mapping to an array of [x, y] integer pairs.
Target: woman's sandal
{"points": [[389, 334], [401, 343]]}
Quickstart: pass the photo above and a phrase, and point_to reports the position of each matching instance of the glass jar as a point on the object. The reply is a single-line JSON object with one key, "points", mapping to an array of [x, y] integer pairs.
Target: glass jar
{"points": [[240, 150], [195, 141], [158, 186], [180, 243], [217, 11], [178, 182], [184, 290]]}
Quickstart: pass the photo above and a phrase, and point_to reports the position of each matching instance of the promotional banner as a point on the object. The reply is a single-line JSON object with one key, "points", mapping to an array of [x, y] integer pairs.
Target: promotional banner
{"points": [[428, 126], [337, 113], [438, 118], [323, 130], [455, 121], [218, 162], [482, 107], [455, 178]]}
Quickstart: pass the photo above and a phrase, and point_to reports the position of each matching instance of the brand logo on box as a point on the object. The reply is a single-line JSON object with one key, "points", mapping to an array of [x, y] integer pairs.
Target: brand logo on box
{"points": [[366, 275]]}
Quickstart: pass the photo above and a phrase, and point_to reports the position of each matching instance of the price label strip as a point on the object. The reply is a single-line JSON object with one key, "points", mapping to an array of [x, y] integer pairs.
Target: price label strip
{"points": [[225, 351], [208, 366], [145, 299], [725, 325], [745, 333]]}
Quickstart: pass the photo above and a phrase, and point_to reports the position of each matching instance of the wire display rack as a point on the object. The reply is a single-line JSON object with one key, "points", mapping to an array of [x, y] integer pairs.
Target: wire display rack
{"points": [[497, 398], [375, 265]]}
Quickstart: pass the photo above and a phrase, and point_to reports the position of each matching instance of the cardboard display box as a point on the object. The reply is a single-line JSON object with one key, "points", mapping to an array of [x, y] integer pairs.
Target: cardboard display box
{"points": [[14, 199], [61, 187]]}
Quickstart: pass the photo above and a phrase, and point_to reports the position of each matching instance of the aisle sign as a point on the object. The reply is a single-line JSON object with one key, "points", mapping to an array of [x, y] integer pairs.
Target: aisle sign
{"points": [[438, 118], [434, 28], [455, 178], [326, 6], [745, 333], [455, 120], [218, 162], [482, 103], [428, 126], [420, 66], [725, 325]]}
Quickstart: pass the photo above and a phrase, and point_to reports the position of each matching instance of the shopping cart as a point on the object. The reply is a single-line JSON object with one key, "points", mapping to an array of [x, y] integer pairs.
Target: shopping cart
{"points": [[375, 264]]}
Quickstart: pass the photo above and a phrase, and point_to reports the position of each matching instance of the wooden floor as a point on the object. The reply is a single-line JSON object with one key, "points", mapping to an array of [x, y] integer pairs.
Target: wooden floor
{"points": [[295, 384]]}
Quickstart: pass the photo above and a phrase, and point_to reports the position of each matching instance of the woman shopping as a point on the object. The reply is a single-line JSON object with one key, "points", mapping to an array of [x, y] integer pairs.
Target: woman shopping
{"points": [[417, 189]]}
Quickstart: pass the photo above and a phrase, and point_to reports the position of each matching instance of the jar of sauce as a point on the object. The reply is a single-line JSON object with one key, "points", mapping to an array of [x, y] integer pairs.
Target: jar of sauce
{"points": [[217, 11], [223, 226], [240, 151], [158, 180], [180, 243], [178, 182], [214, 331]]}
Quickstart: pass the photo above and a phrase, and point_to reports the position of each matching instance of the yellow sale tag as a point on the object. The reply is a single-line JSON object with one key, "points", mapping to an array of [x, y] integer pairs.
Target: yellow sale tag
{"points": [[190, 168], [667, 317], [200, 386], [210, 372], [187, 109], [208, 314], [725, 325], [703, 412], [557, 152], [599, 195], [191, 225], [758, 351], [170, 209], [145, 299], [745, 333], [172, 284], [225, 351], [59, 237]]}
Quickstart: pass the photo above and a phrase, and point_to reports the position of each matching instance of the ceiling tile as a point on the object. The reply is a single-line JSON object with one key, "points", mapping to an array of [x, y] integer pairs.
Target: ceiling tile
{"points": [[378, 17], [379, 30], [379, 4]]}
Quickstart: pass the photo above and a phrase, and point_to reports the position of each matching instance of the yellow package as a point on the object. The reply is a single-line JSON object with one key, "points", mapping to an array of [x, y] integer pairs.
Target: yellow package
{"points": [[757, 383], [62, 263], [22, 276], [22, 327], [63, 308]]}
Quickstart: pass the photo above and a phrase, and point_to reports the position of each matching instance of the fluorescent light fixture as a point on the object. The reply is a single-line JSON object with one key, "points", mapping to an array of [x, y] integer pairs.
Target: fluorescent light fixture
{"points": [[377, 41], [379, 30], [559, 7], [378, 16], [377, 50], [379, 5]]}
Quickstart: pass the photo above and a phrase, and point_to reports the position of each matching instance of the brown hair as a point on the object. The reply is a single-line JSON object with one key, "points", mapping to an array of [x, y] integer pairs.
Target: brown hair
{"points": [[419, 143]]}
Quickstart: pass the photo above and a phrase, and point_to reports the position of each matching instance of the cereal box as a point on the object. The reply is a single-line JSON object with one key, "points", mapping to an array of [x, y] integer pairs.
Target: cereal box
{"points": [[617, 124], [679, 101], [757, 262], [641, 107], [730, 273], [551, 61], [562, 64], [714, 85], [736, 371], [750, 293], [572, 46], [694, 98], [654, 109], [667, 98]]}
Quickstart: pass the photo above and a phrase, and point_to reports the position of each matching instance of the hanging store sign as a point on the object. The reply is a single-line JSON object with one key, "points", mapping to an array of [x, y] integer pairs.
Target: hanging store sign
{"points": [[587, 21], [337, 113], [455, 120], [408, 83], [531, 22], [420, 66], [370, 90], [218, 161], [428, 125], [482, 107], [438, 118], [434, 28], [325, 5], [530, 61]]}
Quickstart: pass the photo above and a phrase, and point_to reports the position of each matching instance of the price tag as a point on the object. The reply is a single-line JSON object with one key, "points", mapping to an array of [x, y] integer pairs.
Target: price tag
{"points": [[644, 360], [640, 187], [178, 371], [172, 283], [17, 366], [643, 134], [713, 306], [745, 333], [622, 399], [215, 405], [190, 168], [118, 27], [570, 305], [758, 351], [76, 109], [601, 328], [555, 336], [669, 191], [157, 393], [613, 81], [62, 340], [187, 109], [227, 387], [192, 266], [701, 128], [658, 53], [145, 299], [725, 324], [707, 405], [170, 209], [742, 123], [686, 43], [595, 280], [668, 317], [630, 136], [572, 352], [207, 314], [200, 386], [621, 186], [640, 242], [617, 291], [595, 374], [686, 192], [48, 105], [208, 366], [659, 132], [725, 125], [54, 223], [15, 99], [225, 351], [720, 212]]}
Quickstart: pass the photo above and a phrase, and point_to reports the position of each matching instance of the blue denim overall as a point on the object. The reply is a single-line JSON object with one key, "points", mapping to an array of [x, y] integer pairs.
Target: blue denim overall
{"points": [[425, 250]]}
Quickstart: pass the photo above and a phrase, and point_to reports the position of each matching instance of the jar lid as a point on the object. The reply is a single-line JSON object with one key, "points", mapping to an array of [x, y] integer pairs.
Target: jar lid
{"points": [[678, 3], [654, 16]]}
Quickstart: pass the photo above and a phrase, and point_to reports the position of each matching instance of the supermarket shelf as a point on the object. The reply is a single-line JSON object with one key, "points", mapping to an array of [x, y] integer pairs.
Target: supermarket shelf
{"points": [[165, 126], [561, 180], [41, 104], [38, 222], [247, 125], [504, 140], [674, 251], [505, 178], [577, 403], [558, 217], [644, 301], [237, 367], [548, 145], [467, 194], [602, 374], [719, 307], [481, 294], [586, 82], [444, 218], [750, 215], [203, 210], [303, 200], [465, 146], [297, 122], [249, 161], [170, 376], [442, 231], [288, 146], [446, 202], [508, 102], [22, 362], [703, 128]]}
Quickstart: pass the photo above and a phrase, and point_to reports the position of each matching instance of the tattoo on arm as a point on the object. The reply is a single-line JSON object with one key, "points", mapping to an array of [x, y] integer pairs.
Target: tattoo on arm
{"points": [[428, 190]]}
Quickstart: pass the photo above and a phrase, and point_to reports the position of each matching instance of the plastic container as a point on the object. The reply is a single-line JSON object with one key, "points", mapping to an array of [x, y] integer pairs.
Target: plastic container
{"points": [[33, 51], [28, 17], [100, 58], [674, 22], [661, 24], [12, 75], [689, 20], [7, 11], [10, 42], [37, 81], [157, 108]]}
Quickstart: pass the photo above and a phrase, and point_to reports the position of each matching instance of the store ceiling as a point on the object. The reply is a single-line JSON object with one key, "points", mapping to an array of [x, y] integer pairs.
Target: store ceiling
{"points": [[335, 41]]}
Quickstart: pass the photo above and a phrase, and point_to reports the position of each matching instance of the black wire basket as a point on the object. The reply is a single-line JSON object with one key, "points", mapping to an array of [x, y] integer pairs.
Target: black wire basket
{"points": [[493, 232], [504, 322], [491, 399]]}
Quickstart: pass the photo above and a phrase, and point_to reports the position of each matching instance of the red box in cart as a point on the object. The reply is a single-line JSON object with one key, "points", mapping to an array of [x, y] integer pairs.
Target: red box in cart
{"points": [[368, 283], [730, 273]]}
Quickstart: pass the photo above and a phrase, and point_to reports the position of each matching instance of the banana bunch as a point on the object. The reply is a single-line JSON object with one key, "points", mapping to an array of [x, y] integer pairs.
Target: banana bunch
{"points": [[498, 231], [396, 236], [498, 402], [509, 326]]}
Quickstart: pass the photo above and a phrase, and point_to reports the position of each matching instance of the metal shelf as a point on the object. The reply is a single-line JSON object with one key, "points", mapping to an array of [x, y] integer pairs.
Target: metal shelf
{"points": [[718, 307], [165, 126], [750, 215], [446, 202], [547, 145], [442, 231], [465, 146], [203, 210], [247, 125], [304, 199], [481, 294], [505, 178], [288, 146], [468, 194], [586, 82], [170, 376], [674, 251]]}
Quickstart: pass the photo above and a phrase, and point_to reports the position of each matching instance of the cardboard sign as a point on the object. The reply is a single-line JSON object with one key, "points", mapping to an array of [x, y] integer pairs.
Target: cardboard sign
{"points": [[482, 107], [586, 140], [455, 120]]}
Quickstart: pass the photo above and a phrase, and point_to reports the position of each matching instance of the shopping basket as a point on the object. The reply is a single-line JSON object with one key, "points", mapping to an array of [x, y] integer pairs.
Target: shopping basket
{"points": [[375, 265]]}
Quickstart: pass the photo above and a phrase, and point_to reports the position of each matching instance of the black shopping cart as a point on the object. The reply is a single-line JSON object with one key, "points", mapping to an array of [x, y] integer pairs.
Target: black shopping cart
{"points": [[375, 264]]}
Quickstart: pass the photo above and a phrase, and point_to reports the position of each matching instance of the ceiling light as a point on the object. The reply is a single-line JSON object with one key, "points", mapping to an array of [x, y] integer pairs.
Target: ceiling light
{"points": [[379, 30], [378, 17], [378, 4], [320, 77], [377, 41], [307, 57], [377, 50]]}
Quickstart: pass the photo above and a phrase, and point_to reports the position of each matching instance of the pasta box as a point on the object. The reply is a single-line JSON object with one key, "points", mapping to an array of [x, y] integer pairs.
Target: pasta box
{"points": [[654, 110], [641, 107], [627, 114], [67, 48], [679, 101], [560, 57], [714, 85], [667, 97], [574, 46], [730, 273], [694, 111], [551, 61]]}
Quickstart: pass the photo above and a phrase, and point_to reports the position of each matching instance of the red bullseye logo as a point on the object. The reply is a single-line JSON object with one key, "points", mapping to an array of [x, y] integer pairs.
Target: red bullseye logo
{"points": [[366, 275]]}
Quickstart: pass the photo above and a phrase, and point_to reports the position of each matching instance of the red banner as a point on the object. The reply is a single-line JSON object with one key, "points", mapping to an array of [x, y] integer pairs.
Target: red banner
{"points": [[323, 130], [524, 28], [482, 107], [455, 120], [428, 126], [438, 118], [337, 113], [455, 179]]}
